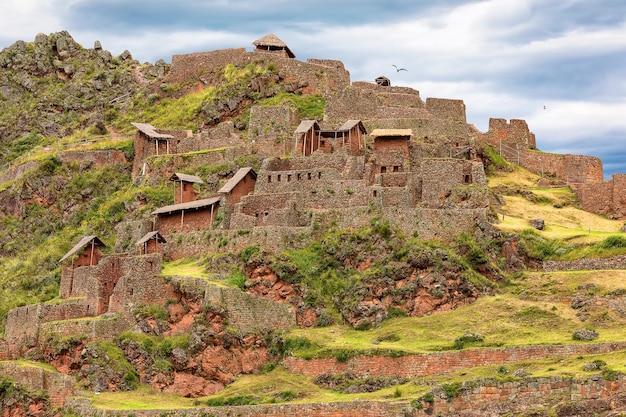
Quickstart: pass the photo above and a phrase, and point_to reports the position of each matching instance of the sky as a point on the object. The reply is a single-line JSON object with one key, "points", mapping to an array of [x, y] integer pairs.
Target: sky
{"points": [[558, 64]]}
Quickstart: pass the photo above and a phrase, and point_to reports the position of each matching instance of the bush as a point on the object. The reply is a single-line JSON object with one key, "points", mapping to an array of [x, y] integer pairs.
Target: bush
{"points": [[613, 241], [585, 335], [461, 341], [238, 279]]}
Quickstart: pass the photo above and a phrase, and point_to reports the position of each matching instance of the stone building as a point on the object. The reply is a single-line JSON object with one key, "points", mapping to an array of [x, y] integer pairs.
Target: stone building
{"points": [[309, 137], [185, 217], [150, 141], [87, 250], [185, 191], [241, 184], [151, 242]]}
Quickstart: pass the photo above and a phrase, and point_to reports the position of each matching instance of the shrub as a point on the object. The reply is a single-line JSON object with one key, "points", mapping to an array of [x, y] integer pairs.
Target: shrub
{"points": [[238, 279], [394, 312], [585, 335], [613, 241], [461, 341]]}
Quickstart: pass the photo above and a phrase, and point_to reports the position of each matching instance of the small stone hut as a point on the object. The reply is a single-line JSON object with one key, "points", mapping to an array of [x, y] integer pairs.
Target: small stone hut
{"points": [[88, 251], [185, 217], [392, 139], [307, 137], [271, 43], [184, 191], [383, 81], [162, 143], [150, 243], [241, 184]]}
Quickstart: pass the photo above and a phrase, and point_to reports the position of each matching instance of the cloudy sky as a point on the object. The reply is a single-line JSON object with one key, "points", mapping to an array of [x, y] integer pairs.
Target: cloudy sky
{"points": [[558, 64]]}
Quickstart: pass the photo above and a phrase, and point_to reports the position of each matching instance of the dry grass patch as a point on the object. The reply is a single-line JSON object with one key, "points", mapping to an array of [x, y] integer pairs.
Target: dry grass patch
{"points": [[569, 283], [563, 223], [143, 398]]}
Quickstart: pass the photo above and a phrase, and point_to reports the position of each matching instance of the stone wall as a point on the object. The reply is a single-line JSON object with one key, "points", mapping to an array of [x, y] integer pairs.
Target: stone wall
{"points": [[356, 408], [203, 242], [501, 398], [515, 134], [162, 167], [615, 262], [99, 158], [607, 198], [96, 328], [312, 77], [251, 314], [221, 136], [482, 397], [129, 233], [575, 169], [442, 108], [413, 366], [273, 124], [36, 378], [139, 284], [23, 322]]}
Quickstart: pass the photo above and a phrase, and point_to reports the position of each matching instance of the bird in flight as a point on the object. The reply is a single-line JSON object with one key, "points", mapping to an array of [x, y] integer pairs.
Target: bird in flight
{"points": [[399, 69]]}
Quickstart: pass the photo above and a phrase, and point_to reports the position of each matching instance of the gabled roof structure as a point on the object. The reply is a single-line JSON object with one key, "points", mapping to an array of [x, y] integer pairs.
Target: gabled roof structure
{"points": [[151, 235], [306, 125], [177, 176], [271, 42], [383, 81], [239, 175], [381, 133], [348, 125], [191, 205], [150, 131], [83, 242]]}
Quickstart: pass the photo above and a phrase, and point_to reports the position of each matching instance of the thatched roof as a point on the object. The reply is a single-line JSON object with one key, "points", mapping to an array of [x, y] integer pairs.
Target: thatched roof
{"points": [[272, 41], [150, 131], [191, 205], [306, 125], [177, 176], [239, 175], [151, 235], [378, 133], [348, 125], [83, 242]]}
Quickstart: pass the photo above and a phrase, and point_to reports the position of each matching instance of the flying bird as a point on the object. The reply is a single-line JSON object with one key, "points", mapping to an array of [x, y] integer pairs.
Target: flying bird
{"points": [[399, 69]]}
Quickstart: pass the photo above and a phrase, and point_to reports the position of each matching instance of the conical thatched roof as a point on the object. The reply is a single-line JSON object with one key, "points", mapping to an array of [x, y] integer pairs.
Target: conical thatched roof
{"points": [[272, 42]]}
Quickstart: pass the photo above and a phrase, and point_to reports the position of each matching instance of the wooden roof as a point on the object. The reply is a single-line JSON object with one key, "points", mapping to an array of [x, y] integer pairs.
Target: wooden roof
{"points": [[191, 205], [272, 40], [177, 176], [239, 175], [150, 131], [306, 125], [377, 133], [151, 235], [83, 242], [348, 125]]}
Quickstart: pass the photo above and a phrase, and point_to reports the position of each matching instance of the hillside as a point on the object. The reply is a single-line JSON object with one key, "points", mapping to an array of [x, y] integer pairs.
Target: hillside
{"points": [[240, 232]]}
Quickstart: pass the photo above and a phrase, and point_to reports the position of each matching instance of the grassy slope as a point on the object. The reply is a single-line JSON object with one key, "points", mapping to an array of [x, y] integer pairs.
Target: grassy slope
{"points": [[531, 308]]}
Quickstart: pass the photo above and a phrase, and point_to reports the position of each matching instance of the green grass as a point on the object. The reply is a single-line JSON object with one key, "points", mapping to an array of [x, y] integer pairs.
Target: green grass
{"points": [[504, 320], [185, 267]]}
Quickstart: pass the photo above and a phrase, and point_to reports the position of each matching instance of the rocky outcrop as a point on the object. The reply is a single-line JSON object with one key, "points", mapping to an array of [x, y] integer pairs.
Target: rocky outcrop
{"points": [[69, 83]]}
